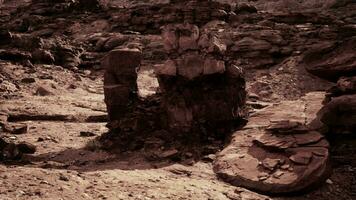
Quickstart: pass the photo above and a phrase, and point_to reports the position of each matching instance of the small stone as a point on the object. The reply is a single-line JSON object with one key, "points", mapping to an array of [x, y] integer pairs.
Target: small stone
{"points": [[16, 129], [278, 174], [263, 176], [302, 158], [28, 80], [26, 148], [169, 68], [270, 164], [63, 178], [86, 134], [43, 91], [285, 166], [329, 181], [209, 158], [169, 153]]}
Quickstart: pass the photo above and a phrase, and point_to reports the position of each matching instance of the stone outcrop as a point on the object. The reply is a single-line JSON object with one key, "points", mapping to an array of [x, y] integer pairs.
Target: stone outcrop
{"points": [[120, 87], [150, 18], [339, 115], [331, 61], [197, 85], [277, 156]]}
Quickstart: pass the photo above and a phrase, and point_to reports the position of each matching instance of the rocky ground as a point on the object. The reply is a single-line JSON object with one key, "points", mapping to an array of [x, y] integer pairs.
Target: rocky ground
{"points": [[52, 95]]}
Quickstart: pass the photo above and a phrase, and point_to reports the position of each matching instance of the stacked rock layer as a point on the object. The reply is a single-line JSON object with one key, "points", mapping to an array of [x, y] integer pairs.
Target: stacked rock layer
{"points": [[198, 86]]}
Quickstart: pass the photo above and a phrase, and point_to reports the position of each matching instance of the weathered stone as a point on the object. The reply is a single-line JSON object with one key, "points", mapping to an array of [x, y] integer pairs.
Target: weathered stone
{"points": [[302, 158], [5, 36], [339, 115], [212, 66], [168, 68], [16, 129], [274, 163], [26, 148], [44, 91], [42, 56], [190, 66], [123, 61], [188, 37], [114, 41], [251, 44], [332, 61], [202, 83], [170, 38]]}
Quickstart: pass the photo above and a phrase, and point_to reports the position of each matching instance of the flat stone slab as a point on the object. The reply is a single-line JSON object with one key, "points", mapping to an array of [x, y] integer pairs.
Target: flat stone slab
{"points": [[282, 157]]}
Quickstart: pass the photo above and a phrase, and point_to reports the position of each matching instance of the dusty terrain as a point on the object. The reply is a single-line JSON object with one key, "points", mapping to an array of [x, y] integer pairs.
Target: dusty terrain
{"points": [[64, 110]]}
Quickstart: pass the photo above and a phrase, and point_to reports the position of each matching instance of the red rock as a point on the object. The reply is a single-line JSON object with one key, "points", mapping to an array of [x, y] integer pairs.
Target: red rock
{"points": [[275, 163]]}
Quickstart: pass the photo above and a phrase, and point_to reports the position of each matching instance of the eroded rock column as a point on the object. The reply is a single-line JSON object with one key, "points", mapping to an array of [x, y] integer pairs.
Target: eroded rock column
{"points": [[198, 86], [120, 78]]}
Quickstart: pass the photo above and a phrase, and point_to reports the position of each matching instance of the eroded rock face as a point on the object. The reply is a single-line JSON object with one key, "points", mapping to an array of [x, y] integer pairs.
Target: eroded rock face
{"points": [[120, 78], [197, 85], [339, 115], [278, 156], [331, 61]]}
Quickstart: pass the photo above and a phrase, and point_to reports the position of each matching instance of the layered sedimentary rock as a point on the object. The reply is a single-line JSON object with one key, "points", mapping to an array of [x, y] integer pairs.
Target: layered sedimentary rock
{"points": [[197, 85], [332, 60], [151, 18], [276, 152], [120, 87]]}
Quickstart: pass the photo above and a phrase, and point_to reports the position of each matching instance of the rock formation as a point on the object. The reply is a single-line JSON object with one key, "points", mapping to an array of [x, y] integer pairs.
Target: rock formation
{"points": [[197, 85], [275, 155]]}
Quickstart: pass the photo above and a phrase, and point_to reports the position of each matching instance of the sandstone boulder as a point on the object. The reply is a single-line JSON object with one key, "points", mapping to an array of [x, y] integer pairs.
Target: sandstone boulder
{"points": [[277, 152], [339, 115], [274, 163], [120, 87]]}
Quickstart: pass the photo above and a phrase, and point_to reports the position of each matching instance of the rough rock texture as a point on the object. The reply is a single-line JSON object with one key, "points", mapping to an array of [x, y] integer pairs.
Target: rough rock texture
{"points": [[120, 87], [276, 157], [332, 60], [195, 80], [344, 86], [339, 115]]}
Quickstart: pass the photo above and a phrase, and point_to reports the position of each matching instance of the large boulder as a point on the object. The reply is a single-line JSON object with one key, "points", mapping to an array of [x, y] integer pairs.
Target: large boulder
{"points": [[277, 152], [274, 162], [120, 87], [339, 115]]}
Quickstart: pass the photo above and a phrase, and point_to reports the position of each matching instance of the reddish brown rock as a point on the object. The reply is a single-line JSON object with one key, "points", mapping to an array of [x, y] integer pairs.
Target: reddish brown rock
{"points": [[278, 157], [195, 81], [120, 87], [261, 165], [339, 115]]}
